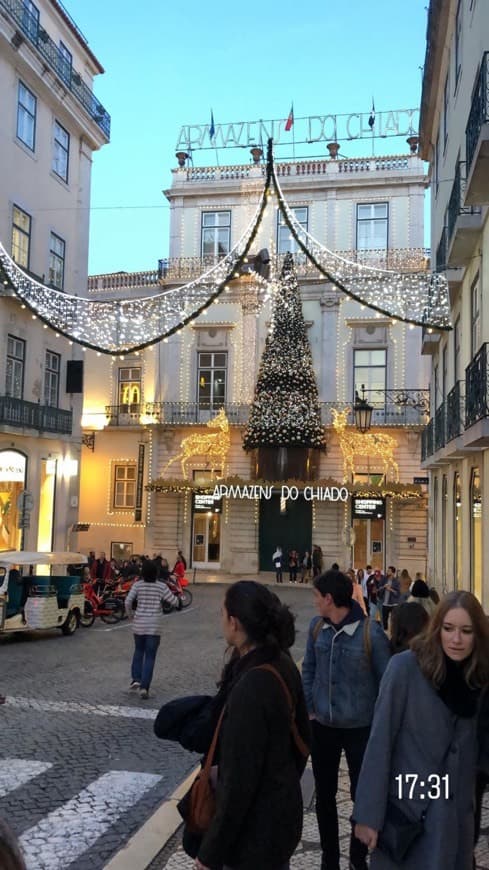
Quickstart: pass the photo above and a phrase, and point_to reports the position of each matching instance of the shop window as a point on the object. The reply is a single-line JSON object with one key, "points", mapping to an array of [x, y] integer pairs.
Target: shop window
{"points": [[457, 530], [124, 487], [129, 388], [12, 483], [475, 533]]}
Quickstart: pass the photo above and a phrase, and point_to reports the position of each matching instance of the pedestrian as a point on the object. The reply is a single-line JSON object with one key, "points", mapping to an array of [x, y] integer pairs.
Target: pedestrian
{"points": [[180, 567], [293, 565], [317, 560], [407, 621], [306, 566], [100, 573], [420, 594], [357, 594], [411, 773], [362, 577], [259, 812], [389, 592], [373, 584], [345, 658], [10, 854], [278, 563], [148, 594], [405, 583]]}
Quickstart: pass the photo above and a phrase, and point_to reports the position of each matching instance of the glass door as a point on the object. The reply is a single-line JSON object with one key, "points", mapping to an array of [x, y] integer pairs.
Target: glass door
{"points": [[206, 540]]}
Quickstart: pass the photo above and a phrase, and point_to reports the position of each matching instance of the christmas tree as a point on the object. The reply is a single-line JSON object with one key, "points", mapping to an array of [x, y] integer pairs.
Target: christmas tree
{"points": [[285, 411]]}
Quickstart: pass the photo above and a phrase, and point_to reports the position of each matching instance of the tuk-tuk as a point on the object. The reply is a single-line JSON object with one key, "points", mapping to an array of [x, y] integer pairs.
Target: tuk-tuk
{"points": [[30, 601]]}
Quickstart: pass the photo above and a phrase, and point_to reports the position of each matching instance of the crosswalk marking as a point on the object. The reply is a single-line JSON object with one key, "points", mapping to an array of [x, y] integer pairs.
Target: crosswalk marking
{"points": [[81, 707], [15, 772], [65, 833]]}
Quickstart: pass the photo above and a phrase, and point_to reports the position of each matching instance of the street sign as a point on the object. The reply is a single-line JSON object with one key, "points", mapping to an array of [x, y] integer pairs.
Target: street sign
{"points": [[424, 481]]}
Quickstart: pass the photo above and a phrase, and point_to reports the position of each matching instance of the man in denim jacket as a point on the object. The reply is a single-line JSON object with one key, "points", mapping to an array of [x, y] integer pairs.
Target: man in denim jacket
{"points": [[343, 665]]}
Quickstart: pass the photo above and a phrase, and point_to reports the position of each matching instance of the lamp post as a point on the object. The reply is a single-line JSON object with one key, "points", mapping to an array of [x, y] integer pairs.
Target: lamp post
{"points": [[362, 411]]}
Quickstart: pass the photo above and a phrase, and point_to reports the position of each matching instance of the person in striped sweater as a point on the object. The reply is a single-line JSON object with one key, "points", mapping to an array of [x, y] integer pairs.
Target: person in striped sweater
{"points": [[147, 595]]}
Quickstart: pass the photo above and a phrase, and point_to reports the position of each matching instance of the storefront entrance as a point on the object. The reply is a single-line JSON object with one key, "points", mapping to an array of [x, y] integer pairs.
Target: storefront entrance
{"points": [[287, 524], [368, 520], [12, 484], [206, 531]]}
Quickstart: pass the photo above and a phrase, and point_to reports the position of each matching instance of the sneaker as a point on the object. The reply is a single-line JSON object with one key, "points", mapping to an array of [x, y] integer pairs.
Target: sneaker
{"points": [[143, 694], [135, 684]]}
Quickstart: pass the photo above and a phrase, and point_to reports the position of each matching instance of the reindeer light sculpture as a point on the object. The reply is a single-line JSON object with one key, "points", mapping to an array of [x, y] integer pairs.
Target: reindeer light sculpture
{"points": [[370, 444], [213, 445]]}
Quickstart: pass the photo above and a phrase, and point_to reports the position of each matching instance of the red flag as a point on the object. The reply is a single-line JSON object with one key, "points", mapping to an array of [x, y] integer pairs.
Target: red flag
{"points": [[290, 119]]}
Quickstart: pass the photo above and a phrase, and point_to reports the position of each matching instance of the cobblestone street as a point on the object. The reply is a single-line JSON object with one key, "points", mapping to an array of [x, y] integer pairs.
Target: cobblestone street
{"points": [[80, 768]]}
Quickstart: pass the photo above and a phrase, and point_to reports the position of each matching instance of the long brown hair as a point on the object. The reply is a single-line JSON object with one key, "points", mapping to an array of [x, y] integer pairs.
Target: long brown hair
{"points": [[429, 652]]}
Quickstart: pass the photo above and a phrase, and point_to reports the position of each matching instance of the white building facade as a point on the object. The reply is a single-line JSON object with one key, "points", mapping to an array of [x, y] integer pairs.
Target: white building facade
{"points": [[51, 125], [138, 409], [454, 134]]}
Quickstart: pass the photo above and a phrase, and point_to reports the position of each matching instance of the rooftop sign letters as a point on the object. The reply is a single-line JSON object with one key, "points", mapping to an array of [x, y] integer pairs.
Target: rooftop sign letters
{"points": [[314, 128]]}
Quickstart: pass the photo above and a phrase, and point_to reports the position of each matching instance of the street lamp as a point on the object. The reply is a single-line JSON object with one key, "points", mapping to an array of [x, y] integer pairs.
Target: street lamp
{"points": [[362, 411]]}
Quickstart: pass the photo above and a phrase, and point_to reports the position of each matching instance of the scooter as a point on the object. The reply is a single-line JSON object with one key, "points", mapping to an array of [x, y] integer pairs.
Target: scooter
{"points": [[181, 592]]}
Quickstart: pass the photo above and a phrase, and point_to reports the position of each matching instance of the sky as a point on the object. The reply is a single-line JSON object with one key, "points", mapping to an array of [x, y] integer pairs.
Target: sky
{"points": [[167, 64]]}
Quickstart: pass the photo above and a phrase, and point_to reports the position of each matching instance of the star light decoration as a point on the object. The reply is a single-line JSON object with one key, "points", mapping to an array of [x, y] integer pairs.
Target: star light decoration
{"points": [[285, 411], [123, 326]]}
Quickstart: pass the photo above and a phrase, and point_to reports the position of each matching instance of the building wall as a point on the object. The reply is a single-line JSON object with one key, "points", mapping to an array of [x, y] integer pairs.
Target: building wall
{"points": [[456, 32], [27, 180]]}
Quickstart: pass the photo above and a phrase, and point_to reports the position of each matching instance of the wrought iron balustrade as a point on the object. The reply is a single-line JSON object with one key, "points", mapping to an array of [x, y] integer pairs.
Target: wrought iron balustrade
{"points": [[440, 438], [457, 196], [476, 393], [29, 26], [442, 251], [427, 441], [479, 111], [455, 411], [19, 413]]}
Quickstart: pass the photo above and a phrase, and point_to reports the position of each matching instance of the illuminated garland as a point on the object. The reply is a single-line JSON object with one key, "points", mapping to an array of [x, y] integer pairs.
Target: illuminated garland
{"points": [[398, 491], [123, 326]]}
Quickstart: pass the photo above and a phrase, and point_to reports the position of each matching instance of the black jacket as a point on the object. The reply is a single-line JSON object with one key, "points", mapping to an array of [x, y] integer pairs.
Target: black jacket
{"points": [[258, 822]]}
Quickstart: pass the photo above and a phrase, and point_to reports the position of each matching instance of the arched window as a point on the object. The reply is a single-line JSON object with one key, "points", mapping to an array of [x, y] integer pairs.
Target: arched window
{"points": [[457, 530], [475, 533]]}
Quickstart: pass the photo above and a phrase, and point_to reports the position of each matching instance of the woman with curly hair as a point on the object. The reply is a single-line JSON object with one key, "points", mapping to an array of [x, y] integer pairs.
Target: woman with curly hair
{"points": [[420, 761]]}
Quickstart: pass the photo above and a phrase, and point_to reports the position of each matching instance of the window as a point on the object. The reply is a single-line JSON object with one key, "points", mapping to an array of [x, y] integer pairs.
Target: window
{"points": [[475, 533], [56, 261], [372, 221], [444, 372], [437, 163], [61, 151], [30, 19], [457, 529], [51, 379], [435, 388], [458, 43], [14, 385], [216, 233], [444, 506], [212, 372], [130, 386], [456, 350], [21, 236], [124, 487], [65, 63], [285, 239], [475, 317], [26, 116], [445, 111], [369, 369]]}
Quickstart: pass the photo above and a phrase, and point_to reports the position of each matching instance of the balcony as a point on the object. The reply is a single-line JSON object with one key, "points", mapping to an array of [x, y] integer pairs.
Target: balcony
{"points": [[477, 401], [180, 270], [28, 415], [439, 433], [427, 441], [391, 408], [28, 27], [455, 412], [464, 222], [477, 139]]}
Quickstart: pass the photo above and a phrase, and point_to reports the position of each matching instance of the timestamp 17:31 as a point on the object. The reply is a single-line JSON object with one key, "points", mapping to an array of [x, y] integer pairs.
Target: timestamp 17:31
{"points": [[411, 787]]}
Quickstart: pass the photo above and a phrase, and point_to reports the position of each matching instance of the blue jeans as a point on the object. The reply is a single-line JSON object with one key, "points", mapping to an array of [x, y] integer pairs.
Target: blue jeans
{"points": [[143, 661]]}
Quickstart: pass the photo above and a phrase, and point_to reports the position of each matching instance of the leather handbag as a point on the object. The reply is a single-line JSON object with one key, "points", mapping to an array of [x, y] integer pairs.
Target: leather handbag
{"points": [[399, 833]]}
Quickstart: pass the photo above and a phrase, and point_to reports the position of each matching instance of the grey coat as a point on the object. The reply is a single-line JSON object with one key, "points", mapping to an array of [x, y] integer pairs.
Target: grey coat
{"points": [[414, 732]]}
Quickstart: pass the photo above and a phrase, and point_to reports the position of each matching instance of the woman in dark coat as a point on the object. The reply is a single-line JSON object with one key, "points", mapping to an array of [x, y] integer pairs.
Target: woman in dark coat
{"points": [[421, 755], [258, 821]]}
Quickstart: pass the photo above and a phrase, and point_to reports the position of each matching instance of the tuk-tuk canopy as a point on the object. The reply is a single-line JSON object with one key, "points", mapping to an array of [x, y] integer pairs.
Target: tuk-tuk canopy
{"points": [[23, 557]]}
